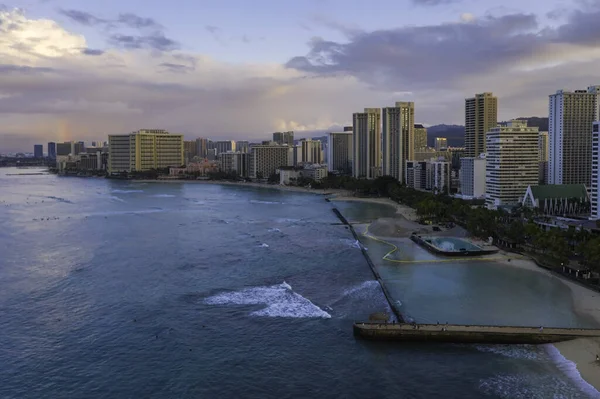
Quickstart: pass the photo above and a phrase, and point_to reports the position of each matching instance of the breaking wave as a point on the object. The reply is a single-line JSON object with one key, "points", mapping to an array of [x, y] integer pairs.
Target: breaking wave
{"points": [[570, 370], [163, 196], [265, 202], [279, 300]]}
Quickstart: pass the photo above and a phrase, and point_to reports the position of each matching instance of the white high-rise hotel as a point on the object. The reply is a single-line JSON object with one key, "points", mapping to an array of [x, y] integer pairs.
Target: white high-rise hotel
{"points": [[398, 138], [595, 186], [571, 115], [511, 162], [366, 127]]}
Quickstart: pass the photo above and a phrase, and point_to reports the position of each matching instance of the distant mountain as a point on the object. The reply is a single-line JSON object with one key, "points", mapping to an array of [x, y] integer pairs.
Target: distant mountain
{"points": [[535, 121], [454, 133]]}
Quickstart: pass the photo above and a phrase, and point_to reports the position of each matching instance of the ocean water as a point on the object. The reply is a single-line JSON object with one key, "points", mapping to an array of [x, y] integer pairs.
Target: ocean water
{"points": [[124, 289]]}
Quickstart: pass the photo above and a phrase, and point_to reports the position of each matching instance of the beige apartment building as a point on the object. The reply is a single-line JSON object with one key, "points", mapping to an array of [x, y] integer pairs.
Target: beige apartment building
{"points": [[144, 150], [481, 115], [420, 142], [366, 162], [311, 151], [398, 138], [441, 143], [511, 163], [266, 159]]}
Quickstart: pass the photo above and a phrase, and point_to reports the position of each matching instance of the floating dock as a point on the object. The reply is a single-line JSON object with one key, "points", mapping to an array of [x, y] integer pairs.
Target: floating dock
{"points": [[473, 334]]}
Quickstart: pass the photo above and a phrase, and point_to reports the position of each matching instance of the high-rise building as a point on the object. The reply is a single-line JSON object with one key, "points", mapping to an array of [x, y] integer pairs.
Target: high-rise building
{"points": [[284, 138], [202, 147], [242, 146], [595, 183], [511, 162], [190, 150], [570, 118], [224, 146], [472, 176], [347, 128], [64, 149], [398, 138], [544, 150], [441, 143], [144, 150], [311, 151], [237, 162], [481, 115], [339, 158], [366, 161], [420, 137], [52, 150], [38, 151], [441, 176], [266, 159], [418, 175]]}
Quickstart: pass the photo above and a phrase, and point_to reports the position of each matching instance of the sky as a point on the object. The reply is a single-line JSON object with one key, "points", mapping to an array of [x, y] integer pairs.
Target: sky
{"points": [[239, 69]]}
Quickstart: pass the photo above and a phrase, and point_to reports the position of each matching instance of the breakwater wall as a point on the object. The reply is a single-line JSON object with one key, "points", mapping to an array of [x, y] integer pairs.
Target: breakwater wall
{"points": [[469, 333], [387, 295], [425, 243]]}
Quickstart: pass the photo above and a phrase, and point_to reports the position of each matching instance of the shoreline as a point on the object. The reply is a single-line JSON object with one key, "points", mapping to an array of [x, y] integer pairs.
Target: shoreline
{"points": [[586, 302], [337, 192], [581, 353]]}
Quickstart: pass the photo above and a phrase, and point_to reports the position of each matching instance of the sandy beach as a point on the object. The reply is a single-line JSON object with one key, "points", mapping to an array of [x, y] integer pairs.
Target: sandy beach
{"points": [[586, 302]]}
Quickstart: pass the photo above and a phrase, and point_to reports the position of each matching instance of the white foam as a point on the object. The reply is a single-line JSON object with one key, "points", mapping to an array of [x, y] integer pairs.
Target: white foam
{"points": [[359, 290], [163, 196], [521, 386], [263, 245], [570, 370], [274, 231], [117, 198], [512, 351], [126, 191], [280, 301], [266, 202]]}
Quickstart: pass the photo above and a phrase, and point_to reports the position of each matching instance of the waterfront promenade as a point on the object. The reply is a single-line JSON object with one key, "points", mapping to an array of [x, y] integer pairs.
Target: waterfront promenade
{"points": [[470, 333]]}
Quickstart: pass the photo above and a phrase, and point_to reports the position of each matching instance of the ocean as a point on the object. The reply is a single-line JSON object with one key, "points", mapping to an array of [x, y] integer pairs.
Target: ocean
{"points": [[147, 290]]}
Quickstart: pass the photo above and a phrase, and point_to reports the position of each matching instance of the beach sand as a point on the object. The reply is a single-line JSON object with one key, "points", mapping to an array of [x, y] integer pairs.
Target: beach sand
{"points": [[586, 303]]}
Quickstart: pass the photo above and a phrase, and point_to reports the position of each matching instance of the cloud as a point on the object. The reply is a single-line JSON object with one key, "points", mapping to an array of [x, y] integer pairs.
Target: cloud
{"points": [[89, 51], [82, 17], [212, 29], [135, 21], [156, 41], [62, 89], [433, 2]]}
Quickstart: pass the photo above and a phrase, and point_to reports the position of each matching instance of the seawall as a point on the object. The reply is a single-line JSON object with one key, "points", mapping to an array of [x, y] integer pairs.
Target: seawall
{"points": [[387, 295], [469, 333]]}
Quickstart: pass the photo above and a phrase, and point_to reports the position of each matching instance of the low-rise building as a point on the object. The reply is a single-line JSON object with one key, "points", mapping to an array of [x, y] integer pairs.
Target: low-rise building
{"points": [[558, 199], [290, 174], [198, 169]]}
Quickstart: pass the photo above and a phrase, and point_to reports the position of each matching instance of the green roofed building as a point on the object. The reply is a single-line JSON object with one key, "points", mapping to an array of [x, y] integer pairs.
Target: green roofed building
{"points": [[558, 199]]}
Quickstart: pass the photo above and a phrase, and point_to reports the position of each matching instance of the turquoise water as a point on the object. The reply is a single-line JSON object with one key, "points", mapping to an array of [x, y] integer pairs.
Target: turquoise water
{"points": [[124, 289]]}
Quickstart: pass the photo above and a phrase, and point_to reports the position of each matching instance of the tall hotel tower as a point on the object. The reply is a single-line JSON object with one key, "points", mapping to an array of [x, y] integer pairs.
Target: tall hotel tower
{"points": [[367, 143], [571, 115], [481, 115], [398, 139]]}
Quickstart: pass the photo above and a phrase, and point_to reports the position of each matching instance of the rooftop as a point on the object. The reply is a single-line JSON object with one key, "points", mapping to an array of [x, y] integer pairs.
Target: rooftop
{"points": [[559, 191]]}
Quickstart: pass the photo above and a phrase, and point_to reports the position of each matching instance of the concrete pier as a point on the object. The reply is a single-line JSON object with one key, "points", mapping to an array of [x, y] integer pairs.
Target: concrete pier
{"points": [[453, 333]]}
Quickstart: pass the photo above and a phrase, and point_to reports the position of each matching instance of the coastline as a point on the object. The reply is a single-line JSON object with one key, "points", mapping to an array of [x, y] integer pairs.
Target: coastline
{"points": [[337, 192], [582, 351]]}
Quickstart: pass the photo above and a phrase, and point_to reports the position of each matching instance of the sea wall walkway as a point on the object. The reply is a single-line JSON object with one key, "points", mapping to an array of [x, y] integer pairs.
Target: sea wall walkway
{"points": [[386, 293], [469, 333]]}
